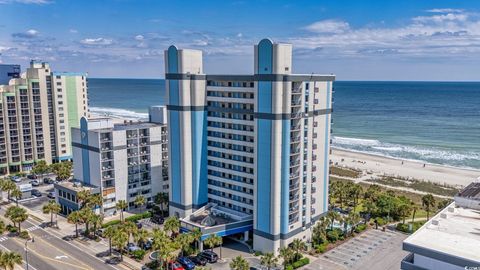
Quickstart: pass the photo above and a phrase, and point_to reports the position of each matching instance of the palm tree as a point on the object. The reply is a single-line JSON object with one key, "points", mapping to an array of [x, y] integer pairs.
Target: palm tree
{"points": [[82, 197], [87, 216], [95, 201], [110, 232], [297, 246], [8, 260], [40, 168], [51, 208], [172, 225], [17, 215], [121, 205], [239, 263], [354, 192], [332, 216], [353, 220], [97, 221], [141, 236], [319, 231], [119, 240], [140, 201], [414, 211], [161, 199], [268, 260], [75, 218], [17, 194], [184, 240], [370, 207], [129, 227], [287, 255], [197, 235], [164, 245], [428, 201], [8, 186]]}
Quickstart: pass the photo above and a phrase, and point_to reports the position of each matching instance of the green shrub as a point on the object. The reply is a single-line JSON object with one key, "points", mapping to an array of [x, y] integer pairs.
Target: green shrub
{"points": [[333, 236], [360, 228], [258, 253], [289, 267], [12, 229], [300, 263], [138, 254], [404, 227], [321, 248], [380, 221], [24, 235], [110, 223], [137, 217]]}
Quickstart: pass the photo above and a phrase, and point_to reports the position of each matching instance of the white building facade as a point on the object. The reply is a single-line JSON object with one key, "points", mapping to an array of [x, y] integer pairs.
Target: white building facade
{"points": [[124, 160]]}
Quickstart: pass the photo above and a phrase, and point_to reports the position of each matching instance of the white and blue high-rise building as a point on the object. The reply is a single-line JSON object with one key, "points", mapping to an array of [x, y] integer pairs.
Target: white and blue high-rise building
{"points": [[255, 147]]}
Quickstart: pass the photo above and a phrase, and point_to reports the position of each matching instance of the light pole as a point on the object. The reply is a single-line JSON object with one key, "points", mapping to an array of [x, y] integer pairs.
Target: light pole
{"points": [[26, 250]]}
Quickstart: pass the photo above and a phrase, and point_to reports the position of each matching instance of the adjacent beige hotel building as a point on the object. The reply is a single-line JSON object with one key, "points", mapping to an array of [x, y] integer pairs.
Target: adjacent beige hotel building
{"points": [[37, 111]]}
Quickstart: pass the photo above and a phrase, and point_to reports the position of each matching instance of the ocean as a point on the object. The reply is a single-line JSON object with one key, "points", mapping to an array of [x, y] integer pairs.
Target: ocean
{"points": [[431, 122]]}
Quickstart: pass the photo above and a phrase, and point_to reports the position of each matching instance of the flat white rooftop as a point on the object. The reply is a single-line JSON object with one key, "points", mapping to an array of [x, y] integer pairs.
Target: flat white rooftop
{"points": [[454, 232]]}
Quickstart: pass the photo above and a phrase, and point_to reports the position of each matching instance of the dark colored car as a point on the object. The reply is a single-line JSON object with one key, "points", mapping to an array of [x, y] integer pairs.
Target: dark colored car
{"points": [[51, 195], [139, 225], [157, 219], [147, 245], [186, 263], [150, 205], [36, 193], [210, 256], [47, 180], [31, 176], [198, 260]]}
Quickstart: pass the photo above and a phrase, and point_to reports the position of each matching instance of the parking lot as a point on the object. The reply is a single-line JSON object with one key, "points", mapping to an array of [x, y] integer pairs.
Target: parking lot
{"points": [[371, 250], [35, 203]]}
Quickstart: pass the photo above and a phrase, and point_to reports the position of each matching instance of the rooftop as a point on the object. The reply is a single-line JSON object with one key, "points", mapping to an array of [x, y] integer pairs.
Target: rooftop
{"points": [[76, 185], [454, 231], [471, 191], [213, 215]]}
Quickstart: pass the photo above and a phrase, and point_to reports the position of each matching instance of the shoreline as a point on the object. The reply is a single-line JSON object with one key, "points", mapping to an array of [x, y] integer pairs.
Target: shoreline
{"points": [[441, 174]]}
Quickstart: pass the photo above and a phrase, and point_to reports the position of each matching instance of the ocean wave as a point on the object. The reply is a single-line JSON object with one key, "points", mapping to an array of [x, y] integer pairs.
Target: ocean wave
{"points": [[118, 113], [410, 152]]}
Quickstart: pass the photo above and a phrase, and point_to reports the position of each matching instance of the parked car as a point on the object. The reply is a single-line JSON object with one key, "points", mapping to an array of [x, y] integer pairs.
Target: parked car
{"points": [[186, 263], [198, 260], [210, 256], [175, 266], [100, 232], [35, 183], [32, 176], [131, 247], [51, 195], [139, 224], [36, 193], [147, 245], [114, 260], [157, 219], [16, 178], [47, 180]]}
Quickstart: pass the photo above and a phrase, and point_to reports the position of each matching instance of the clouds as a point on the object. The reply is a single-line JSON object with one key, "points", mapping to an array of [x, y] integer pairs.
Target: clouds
{"points": [[441, 33], [31, 33], [36, 2], [100, 41], [328, 26]]}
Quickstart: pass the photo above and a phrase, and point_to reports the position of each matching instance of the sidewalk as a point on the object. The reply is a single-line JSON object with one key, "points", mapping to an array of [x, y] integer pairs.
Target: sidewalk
{"points": [[67, 229]]}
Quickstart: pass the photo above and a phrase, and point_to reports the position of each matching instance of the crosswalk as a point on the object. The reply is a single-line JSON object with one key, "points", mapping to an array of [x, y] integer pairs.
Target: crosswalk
{"points": [[33, 228], [29, 229]]}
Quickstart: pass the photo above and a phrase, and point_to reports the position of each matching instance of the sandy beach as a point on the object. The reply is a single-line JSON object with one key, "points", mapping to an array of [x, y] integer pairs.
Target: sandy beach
{"points": [[378, 164]]}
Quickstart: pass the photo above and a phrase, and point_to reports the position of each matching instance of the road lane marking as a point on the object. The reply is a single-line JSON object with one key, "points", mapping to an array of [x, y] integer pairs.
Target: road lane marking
{"points": [[29, 265]]}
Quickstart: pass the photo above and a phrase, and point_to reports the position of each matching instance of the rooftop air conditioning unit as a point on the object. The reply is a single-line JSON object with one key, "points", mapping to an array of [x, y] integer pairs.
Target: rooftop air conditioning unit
{"points": [[435, 222]]}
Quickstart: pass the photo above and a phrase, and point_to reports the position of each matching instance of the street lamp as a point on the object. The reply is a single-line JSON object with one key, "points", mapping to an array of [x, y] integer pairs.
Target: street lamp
{"points": [[26, 250]]}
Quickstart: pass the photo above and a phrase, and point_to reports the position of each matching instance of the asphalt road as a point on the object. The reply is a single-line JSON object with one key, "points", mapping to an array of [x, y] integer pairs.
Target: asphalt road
{"points": [[48, 251]]}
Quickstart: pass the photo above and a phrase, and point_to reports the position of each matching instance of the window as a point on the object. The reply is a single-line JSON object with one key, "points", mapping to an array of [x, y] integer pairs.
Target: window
{"points": [[60, 96], [60, 109], [61, 115]]}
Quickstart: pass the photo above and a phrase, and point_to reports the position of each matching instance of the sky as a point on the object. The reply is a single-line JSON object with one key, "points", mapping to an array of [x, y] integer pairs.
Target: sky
{"points": [[355, 40]]}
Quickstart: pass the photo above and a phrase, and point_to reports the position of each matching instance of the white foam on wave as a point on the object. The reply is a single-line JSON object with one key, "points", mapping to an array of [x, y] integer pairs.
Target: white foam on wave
{"points": [[410, 152], [118, 113]]}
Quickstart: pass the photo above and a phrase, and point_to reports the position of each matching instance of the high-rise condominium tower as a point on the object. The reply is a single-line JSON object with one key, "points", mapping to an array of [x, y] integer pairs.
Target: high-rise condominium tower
{"points": [[248, 151], [37, 111]]}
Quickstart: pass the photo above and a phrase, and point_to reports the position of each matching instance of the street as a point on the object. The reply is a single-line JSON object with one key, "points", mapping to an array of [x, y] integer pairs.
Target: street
{"points": [[49, 251]]}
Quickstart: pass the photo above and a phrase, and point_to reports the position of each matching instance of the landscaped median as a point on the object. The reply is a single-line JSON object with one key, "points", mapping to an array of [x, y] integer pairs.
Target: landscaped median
{"points": [[133, 218]]}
